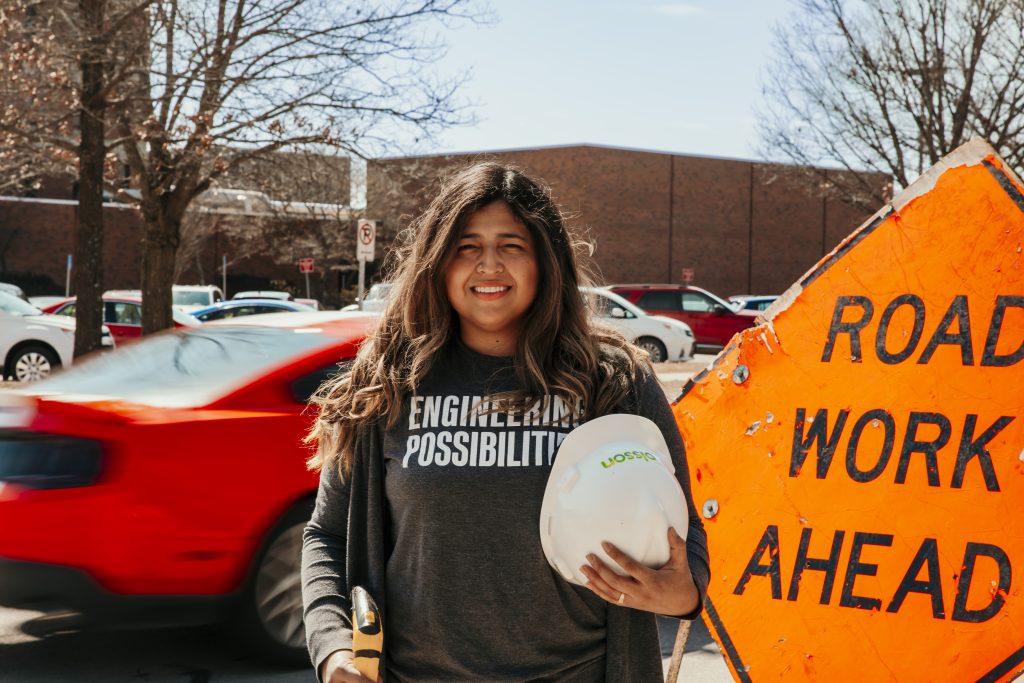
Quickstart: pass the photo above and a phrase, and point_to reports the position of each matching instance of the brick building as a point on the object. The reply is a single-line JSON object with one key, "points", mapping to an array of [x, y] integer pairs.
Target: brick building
{"points": [[740, 226]]}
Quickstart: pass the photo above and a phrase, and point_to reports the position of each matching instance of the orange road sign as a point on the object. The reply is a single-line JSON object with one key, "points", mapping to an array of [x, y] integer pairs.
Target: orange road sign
{"points": [[859, 456]]}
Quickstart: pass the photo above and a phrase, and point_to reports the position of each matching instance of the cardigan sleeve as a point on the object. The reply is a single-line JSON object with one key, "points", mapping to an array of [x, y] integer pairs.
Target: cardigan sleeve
{"points": [[652, 404], [325, 598]]}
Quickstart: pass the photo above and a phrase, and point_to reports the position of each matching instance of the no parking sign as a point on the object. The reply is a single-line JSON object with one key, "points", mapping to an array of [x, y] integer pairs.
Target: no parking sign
{"points": [[366, 238]]}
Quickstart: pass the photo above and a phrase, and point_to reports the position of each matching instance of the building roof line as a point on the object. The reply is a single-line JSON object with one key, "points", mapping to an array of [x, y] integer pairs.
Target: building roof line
{"points": [[619, 148]]}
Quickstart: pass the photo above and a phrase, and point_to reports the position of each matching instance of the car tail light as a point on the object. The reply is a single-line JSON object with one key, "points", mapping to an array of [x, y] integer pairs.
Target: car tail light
{"points": [[49, 461]]}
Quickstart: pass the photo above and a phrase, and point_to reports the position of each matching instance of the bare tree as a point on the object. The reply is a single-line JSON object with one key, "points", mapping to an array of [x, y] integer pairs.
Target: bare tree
{"points": [[61, 64], [893, 86], [227, 80]]}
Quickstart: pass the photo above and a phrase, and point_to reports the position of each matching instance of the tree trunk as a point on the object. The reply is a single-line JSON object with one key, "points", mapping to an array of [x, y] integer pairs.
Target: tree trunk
{"points": [[159, 248], [88, 263]]}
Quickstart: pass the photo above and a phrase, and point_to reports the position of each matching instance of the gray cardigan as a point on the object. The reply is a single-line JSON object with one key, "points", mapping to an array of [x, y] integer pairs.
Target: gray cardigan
{"points": [[633, 649]]}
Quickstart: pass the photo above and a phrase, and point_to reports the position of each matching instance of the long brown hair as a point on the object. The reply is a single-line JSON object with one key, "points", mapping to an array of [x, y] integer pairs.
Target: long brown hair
{"points": [[559, 352]]}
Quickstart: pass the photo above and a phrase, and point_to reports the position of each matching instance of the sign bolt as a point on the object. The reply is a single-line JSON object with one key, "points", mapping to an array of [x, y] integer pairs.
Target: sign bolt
{"points": [[740, 374], [710, 508]]}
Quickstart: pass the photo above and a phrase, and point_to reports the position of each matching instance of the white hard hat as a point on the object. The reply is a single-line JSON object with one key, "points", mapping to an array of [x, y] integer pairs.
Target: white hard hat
{"points": [[612, 480]]}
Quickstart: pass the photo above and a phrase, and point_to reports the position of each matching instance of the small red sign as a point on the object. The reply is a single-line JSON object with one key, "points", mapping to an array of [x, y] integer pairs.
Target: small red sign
{"points": [[688, 275], [305, 265]]}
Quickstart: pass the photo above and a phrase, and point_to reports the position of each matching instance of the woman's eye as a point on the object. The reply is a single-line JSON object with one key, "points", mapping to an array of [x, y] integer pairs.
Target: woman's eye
{"points": [[466, 247], [514, 247]]}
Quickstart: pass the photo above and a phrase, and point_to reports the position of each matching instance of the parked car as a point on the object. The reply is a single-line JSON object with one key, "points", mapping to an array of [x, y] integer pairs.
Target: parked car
{"points": [[264, 294], [312, 303], [752, 302], [122, 313], [664, 339], [243, 307], [375, 299], [711, 318], [189, 298], [167, 481], [32, 344]]}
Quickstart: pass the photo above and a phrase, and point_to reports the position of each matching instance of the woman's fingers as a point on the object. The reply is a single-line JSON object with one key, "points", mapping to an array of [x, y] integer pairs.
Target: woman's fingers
{"points": [[628, 564]]}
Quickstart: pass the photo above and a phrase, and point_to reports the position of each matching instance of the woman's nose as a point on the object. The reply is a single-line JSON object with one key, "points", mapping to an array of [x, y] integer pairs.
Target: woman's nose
{"points": [[490, 261]]}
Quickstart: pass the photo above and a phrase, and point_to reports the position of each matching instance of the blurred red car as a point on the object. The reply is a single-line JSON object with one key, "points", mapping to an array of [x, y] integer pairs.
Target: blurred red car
{"points": [[166, 482], [711, 318], [122, 313]]}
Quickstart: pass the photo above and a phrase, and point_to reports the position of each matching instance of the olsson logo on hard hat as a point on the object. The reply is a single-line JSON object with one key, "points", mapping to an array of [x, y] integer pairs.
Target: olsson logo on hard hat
{"points": [[644, 456], [612, 480]]}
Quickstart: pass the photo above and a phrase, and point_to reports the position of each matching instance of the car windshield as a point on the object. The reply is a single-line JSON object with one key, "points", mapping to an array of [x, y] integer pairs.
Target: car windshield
{"points": [[14, 306], [603, 301], [193, 298], [184, 368], [377, 292]]}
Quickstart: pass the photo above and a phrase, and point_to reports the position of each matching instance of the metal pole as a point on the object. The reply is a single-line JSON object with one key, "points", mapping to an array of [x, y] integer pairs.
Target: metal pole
{"points": [[224, 275], [67, 280], [307, 286], [362, 275]]}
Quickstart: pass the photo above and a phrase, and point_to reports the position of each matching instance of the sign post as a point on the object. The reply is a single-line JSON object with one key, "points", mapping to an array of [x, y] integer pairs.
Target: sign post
{"points": [[67, 279], [366, 238], [224, 275], [306, 267], [857, 458]]}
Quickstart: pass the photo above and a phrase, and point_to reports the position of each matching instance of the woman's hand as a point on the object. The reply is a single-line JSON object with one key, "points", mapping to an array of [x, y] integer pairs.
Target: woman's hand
{"points": [[667, 590], [339, 668]]}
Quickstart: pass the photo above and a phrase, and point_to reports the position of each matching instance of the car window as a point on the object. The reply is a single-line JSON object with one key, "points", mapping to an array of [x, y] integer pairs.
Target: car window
{"points": [[602, 305], [190, 298], [304, 387], [695, 302], [268, 309], [66, 309], [217, 297], [211, 315], [239, 311], [378, 292], [661, 301], [123, 313]]}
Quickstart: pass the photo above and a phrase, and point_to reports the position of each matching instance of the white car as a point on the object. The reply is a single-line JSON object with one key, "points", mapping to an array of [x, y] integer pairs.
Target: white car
{"points": [[375, 300], [664, 339], [193, 297], [33, 344]]}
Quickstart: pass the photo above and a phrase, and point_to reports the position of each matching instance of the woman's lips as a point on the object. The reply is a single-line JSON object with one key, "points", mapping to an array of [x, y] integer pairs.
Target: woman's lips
{"points": [[490, 292]]}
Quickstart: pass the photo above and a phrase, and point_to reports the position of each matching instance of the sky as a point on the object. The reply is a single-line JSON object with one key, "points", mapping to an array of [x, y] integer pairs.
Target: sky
{"points": [[667, 76]]}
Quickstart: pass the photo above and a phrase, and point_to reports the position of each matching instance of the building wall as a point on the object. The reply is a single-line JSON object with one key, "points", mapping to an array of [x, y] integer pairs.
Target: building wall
{"points": [[36, 237], [741, 226]]}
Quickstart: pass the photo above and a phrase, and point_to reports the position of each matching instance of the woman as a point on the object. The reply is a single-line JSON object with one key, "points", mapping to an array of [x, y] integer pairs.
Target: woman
{"points": [[434, 450]]}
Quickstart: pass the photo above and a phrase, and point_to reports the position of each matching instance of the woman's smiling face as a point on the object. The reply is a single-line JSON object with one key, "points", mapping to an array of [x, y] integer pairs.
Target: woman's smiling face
{"points": [[491, 278]]}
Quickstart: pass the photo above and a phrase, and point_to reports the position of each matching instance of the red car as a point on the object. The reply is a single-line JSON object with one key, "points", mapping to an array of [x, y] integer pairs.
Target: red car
{"points": [[122, 313], [711, 318], [166, 481]]}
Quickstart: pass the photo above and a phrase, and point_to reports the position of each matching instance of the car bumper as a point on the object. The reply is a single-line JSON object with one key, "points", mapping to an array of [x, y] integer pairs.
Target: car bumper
{"points": [[686, 351], [35, 584]]}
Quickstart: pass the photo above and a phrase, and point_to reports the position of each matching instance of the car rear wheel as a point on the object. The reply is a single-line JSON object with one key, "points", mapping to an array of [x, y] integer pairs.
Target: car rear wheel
{"points": [[271, 613], [654, 348], [31, 363]]}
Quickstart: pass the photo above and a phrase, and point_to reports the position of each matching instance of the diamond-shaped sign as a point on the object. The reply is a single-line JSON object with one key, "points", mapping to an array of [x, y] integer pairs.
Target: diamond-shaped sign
{"points": [[858, 456]]}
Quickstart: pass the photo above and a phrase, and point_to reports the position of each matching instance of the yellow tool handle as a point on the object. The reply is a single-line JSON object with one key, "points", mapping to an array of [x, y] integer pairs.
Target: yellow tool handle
{"points": [[367, 634]]}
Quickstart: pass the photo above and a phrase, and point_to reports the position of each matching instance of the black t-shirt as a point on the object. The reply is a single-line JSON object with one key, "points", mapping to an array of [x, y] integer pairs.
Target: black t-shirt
{"points": [[470, 595]]}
